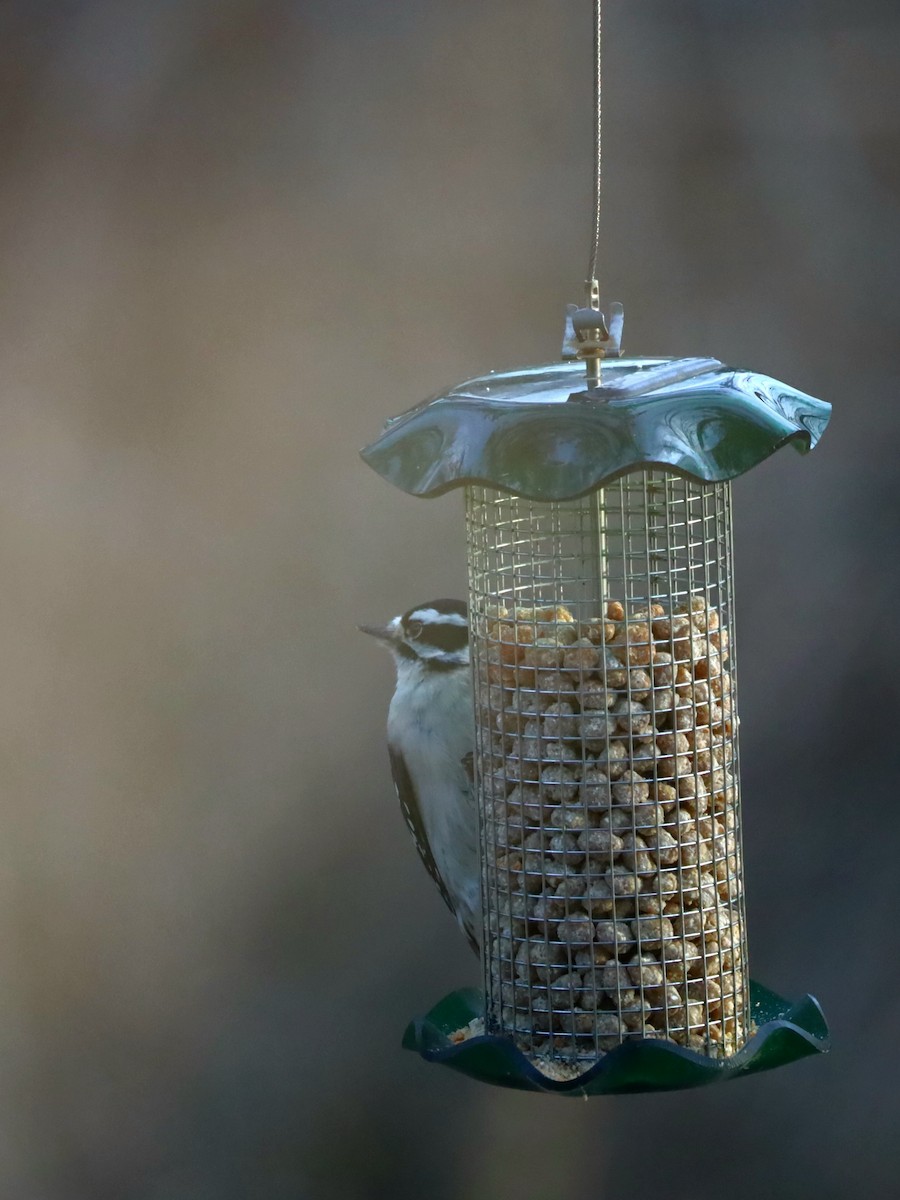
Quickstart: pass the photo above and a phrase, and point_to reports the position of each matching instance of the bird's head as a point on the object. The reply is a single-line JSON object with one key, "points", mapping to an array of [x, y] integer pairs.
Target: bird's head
{"points": [[434, 635]]}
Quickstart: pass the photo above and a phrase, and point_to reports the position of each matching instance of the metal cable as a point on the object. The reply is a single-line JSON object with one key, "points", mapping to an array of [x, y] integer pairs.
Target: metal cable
{"points": [[598, 141]]}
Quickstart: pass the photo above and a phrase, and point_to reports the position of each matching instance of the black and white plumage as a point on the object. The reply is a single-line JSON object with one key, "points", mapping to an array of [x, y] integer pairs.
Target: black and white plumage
{"points": [[430, 744]]}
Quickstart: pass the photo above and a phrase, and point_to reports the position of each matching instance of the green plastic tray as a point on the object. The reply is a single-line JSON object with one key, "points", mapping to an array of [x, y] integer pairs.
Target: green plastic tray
{"points": [[784, 1033]]}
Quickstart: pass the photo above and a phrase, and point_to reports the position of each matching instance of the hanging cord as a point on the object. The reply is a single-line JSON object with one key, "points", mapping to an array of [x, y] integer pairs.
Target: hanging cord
{"points": [[587, 335], [593, 297]]}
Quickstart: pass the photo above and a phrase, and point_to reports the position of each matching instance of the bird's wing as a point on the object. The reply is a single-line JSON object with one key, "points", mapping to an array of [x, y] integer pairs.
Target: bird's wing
{"points": [[409, 806]]}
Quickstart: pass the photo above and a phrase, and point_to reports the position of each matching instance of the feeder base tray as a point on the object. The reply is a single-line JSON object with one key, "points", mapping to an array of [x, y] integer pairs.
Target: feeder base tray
{"points": [[784, 1033]]}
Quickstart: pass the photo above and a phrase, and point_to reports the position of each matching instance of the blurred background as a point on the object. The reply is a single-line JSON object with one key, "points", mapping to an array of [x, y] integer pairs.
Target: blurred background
{"points": [[236, 235]]}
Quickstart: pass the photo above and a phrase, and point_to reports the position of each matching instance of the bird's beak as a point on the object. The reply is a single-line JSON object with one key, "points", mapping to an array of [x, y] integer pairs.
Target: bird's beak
{"points": [[384, 633]]}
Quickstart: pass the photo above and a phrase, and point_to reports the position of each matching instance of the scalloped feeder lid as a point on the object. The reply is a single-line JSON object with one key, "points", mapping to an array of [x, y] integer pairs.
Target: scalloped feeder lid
{"points": [[536, 431]]}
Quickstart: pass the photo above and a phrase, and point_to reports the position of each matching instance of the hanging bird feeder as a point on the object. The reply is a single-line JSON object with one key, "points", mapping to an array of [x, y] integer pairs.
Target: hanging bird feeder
{"points": [[601, 614]]}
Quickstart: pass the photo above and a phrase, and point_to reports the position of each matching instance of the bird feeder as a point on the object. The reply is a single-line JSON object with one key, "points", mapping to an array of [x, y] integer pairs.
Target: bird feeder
{"points": [[601, 611]]}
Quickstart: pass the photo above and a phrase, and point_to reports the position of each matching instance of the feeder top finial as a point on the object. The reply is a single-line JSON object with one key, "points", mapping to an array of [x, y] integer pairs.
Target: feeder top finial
{"points": [[587, 335]]}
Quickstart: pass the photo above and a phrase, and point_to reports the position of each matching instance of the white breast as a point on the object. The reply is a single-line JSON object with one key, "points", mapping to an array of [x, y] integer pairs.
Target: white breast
{"points": [[430, 723]]}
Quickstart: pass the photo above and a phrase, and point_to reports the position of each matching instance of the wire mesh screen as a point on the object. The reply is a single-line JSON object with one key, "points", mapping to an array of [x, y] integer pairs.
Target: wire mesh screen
{"points": [[606, 752]]}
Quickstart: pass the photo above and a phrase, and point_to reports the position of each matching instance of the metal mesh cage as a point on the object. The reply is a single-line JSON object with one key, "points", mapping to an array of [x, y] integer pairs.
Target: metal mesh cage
{"points": [[606, 755]]}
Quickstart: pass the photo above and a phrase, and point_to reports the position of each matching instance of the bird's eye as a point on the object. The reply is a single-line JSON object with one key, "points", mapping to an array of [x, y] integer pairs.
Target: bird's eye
{"points": [[414, 629]]}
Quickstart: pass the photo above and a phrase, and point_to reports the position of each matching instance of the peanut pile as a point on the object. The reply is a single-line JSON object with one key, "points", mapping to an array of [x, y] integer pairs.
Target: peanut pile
{"points": [[613, 877]]}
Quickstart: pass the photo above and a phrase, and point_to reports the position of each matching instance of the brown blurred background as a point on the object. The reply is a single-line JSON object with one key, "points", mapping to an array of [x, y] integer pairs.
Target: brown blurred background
{"points": [[235, 235]]}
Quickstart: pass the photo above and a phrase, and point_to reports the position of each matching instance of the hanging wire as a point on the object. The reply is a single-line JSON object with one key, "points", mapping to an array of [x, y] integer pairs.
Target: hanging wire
{"points": [[598, 146]]}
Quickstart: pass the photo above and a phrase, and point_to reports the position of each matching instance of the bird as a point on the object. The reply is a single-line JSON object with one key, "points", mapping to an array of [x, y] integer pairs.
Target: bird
{"points": [[430, 736]]}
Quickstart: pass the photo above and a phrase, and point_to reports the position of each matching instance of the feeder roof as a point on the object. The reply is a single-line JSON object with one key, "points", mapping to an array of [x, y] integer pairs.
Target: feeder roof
{"points": [[538, 433]]}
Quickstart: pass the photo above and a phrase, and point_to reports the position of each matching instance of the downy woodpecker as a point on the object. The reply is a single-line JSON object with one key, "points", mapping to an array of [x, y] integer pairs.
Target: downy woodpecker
{"points": [[429, 732]]}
